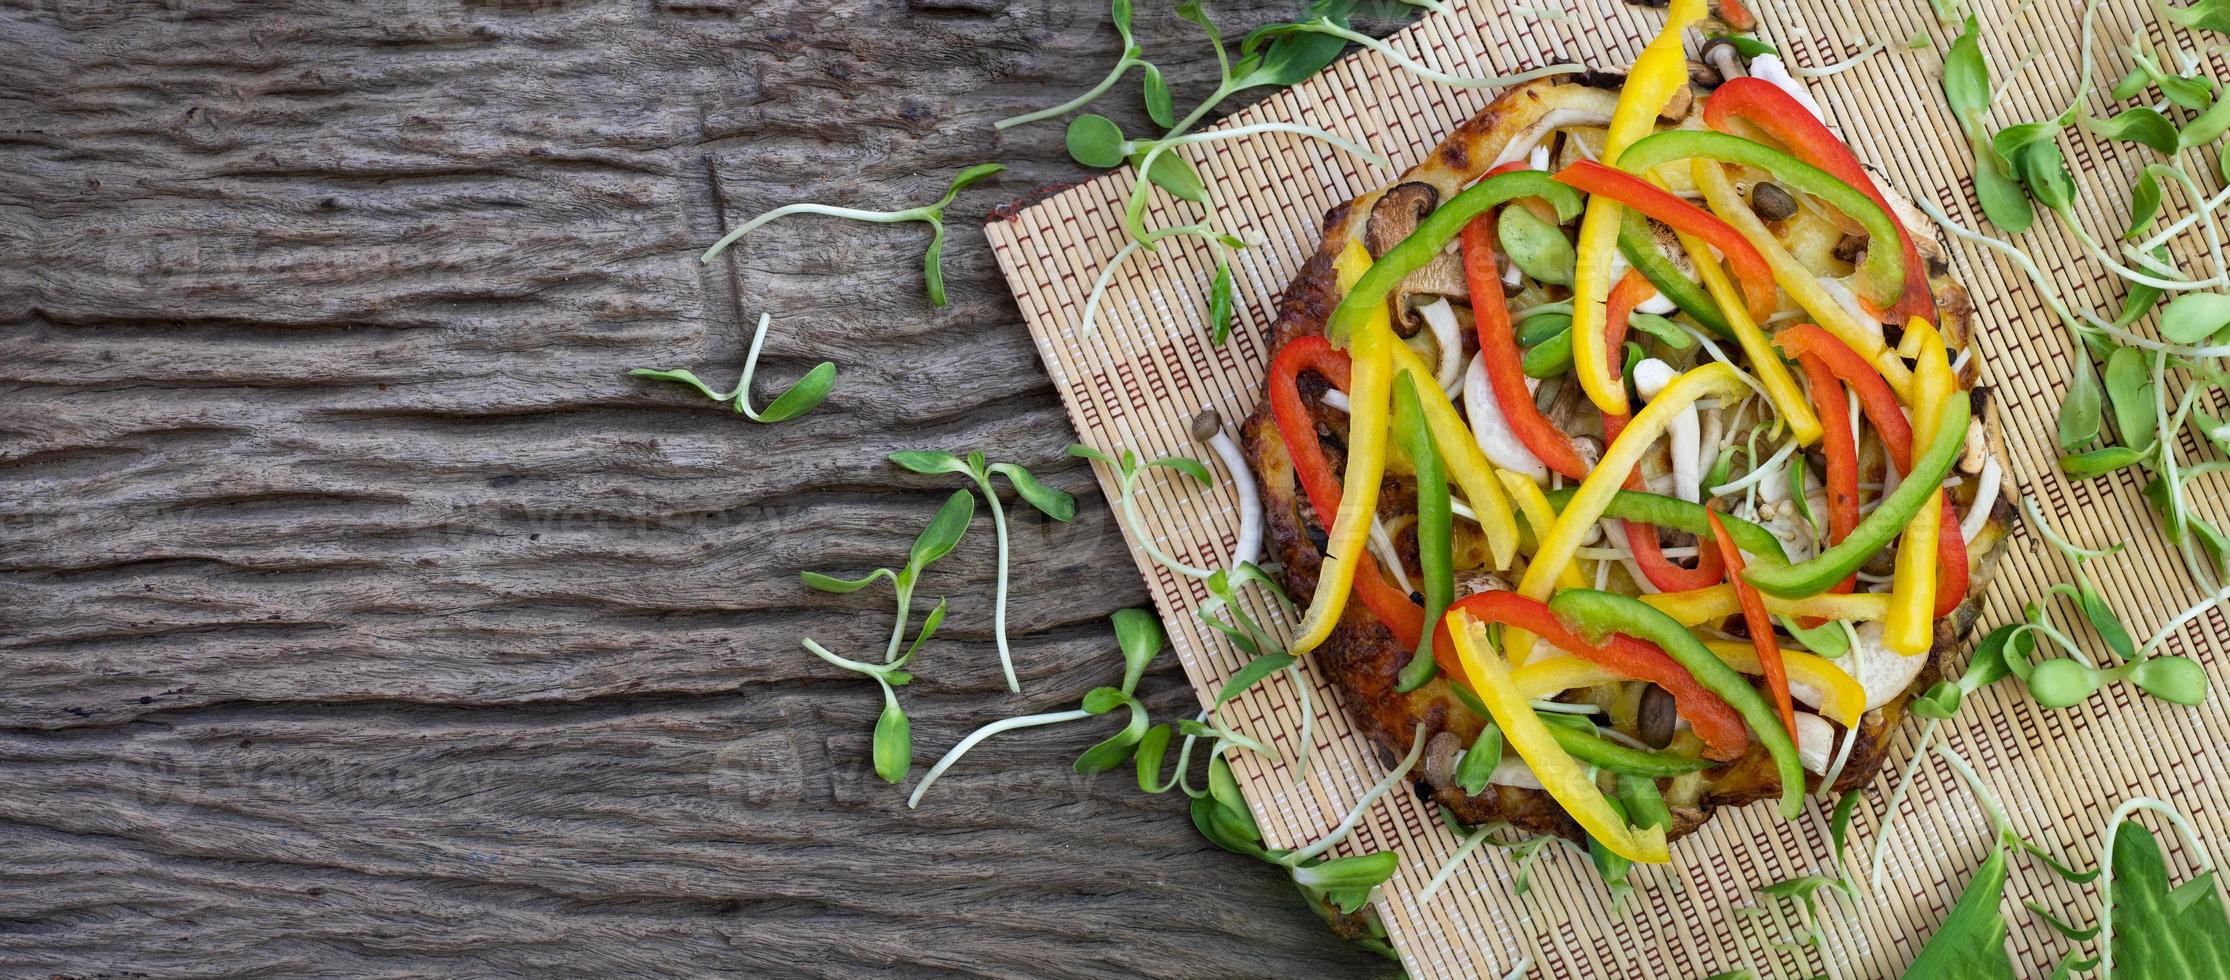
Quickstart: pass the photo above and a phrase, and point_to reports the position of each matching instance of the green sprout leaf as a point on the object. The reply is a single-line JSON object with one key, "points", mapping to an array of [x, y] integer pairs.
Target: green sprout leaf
{"points": [[2129, 389], [1056, 504], [2099, 462], [1159, 106], [1479, 761], [2193, 317], [2144, 203], [894, 739], [2080, 410], [1219, 303], [1139, 634], [944, 530], [801, 397], [1096, 141], [1251, 674], [839, 586], [931, 461], [2137, 124]]}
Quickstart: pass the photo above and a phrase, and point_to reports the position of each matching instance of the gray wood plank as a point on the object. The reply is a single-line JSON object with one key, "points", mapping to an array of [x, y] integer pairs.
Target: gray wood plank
{"points": [[364, 619]]}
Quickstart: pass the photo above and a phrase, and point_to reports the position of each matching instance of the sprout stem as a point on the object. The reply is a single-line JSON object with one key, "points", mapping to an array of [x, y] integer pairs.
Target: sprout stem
{"points": [[1073, 104], [1002, 725], [854, 214], [1355, 815]]}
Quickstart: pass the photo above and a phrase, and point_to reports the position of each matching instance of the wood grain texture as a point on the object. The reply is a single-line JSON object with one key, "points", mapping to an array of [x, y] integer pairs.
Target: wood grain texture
{"points": [[363, 618]]}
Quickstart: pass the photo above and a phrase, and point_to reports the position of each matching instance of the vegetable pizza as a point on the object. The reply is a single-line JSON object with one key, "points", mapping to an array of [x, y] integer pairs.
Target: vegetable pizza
{"points": [[1630, 452]]}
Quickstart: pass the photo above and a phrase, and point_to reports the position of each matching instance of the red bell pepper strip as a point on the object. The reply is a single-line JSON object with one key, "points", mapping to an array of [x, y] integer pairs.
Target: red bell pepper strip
{"points": [[1841, 448], [1750, 267], [1641, 539], [1765, 106], [1498, 347], [1761, 625], [1709, 715], [1393, 608], [1888, 419], [1735, 15]]}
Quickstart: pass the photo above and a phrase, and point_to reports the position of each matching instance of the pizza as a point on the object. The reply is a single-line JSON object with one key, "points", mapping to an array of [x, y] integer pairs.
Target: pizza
{"points": [[1634, 435]]}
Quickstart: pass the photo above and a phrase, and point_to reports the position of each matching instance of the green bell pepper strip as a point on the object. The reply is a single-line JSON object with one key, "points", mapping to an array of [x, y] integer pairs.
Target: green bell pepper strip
{"points": [[1609, 756], [1653, 508], [1541, 326], [1435, 232], [1435, 525], [1881, 277], [1551, 358], [1640, 249], [1645, 805], [1818, 574], [1595, 614]]}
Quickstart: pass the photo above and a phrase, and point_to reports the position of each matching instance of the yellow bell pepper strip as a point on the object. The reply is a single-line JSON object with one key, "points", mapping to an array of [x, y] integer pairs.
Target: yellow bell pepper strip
{"points": [[1859, 334], [1587, 504], [1562, 776], [1765, 362], [1369, 400], [1911, 626], [1459, 449], [1656, 75], [1539, 516], [1696, 607], [1596, 614], [1921, 486], [1842, 700]]}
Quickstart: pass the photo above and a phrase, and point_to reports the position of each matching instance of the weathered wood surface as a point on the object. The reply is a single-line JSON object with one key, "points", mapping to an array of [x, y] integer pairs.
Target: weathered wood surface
{"points": [[362, 618]]}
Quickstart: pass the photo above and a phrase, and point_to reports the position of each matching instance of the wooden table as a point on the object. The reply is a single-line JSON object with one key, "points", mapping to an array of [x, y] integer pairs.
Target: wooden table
{"points": [[363, 617]]}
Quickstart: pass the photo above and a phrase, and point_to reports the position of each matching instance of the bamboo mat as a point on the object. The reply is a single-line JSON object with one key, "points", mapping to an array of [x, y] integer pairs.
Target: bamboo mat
{"points": [[1147, 367]]}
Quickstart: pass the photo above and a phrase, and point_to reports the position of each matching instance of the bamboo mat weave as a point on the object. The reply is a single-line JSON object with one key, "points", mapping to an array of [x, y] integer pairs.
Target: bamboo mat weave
{"points": [[1146, 367]]}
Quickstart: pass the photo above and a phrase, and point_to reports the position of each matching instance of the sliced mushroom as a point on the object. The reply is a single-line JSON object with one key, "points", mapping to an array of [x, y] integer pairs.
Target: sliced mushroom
{"points": [[1720, 53], [1851, 248], [1393, 218], [1703, 75], [1676, 107]]}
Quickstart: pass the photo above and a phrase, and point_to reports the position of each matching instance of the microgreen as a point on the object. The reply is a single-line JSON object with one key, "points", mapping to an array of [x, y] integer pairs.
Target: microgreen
{"points": [[893, 745], [1127, 471], [1479, 761], [1134, 56], [1966, 84], [2144, 202], [2213, 15], [2137, 124], [931, 214], [801, 397], [1140, 638], [2062, 682], [1052, 503]]}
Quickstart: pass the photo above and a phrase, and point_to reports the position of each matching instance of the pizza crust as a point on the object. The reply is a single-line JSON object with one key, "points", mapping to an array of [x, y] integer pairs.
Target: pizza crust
{"points": [[1361, 657]]}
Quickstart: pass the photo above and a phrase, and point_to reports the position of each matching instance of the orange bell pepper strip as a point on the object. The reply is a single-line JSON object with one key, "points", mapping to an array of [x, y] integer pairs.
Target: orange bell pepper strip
{"points": [[1759, 622]]}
